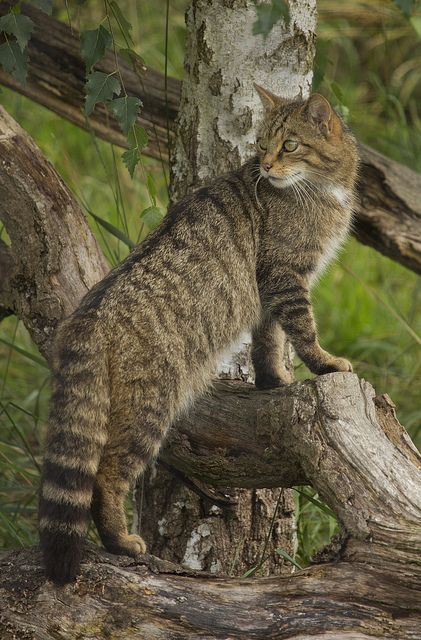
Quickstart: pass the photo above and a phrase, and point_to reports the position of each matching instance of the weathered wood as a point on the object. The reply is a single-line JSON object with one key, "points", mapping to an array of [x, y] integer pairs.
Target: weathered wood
{"points": [[351, 448], [389, 213], [389, 208], [54, 258]]}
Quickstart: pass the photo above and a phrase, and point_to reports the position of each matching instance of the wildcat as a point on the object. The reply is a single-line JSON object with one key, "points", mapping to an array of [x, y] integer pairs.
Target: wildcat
{"points": [[239, 254]]}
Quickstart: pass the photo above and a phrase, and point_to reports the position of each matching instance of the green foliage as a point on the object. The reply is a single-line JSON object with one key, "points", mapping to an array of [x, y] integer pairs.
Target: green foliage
{"points": [[94, 42], [115, 231], [125, 111], [286, 556], [135, 60], [16, 24], [138, 139], [99, 88], [152, 217], [123, 23], [268, 15], [13, 52], [13, 60], [315, 527]]}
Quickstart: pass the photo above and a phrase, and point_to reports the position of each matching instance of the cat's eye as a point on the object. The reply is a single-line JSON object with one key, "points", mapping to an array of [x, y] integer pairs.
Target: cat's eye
{"points": [[290, 145], [261, 146]]}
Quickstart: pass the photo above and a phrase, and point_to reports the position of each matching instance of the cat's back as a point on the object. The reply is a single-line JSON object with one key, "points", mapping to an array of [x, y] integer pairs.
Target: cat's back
{"points": [[186, 291]]}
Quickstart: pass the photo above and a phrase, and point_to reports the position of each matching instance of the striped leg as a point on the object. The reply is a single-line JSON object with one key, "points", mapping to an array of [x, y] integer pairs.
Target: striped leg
{"points": [[137, 430], [108, 509], [291, 306], [268, 355]]}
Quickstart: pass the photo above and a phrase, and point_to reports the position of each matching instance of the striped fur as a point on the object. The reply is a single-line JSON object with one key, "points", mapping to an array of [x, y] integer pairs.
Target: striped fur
{"points": [[239, 254]]}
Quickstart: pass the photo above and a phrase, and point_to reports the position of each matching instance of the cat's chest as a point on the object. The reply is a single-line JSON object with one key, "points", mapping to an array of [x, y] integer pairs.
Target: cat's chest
{"points": [[329, 249]]}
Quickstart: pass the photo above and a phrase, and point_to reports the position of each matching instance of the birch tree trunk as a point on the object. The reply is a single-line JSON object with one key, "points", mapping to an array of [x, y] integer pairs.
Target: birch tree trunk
{"points": [[216, 127]]}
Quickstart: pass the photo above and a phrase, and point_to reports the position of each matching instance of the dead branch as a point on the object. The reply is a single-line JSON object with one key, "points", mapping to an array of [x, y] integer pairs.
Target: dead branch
{"points": [[330, 430]]}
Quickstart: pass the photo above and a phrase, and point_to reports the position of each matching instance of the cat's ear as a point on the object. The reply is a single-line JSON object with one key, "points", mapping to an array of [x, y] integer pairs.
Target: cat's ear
{"points": [[320, 113], [269, 100]]}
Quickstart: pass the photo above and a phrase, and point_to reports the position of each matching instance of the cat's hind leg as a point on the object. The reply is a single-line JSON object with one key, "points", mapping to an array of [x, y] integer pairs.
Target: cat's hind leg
{"points": [[134, 440], [268, 355], [108, 512]]}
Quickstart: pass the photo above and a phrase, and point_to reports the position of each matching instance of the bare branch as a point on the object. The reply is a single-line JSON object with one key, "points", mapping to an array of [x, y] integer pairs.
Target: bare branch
{"points": [[55, 256]]}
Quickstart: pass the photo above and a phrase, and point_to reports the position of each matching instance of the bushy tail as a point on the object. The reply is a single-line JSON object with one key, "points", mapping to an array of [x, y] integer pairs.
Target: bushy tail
{"points": [[75, 439]]}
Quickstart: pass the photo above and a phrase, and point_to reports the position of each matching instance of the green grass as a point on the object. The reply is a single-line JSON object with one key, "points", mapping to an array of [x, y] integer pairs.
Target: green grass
{"points": [[368, 307]]}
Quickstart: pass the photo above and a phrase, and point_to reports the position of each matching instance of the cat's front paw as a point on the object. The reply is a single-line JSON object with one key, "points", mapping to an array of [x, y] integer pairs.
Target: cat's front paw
{"points": [[272, 381], [334, 365]]}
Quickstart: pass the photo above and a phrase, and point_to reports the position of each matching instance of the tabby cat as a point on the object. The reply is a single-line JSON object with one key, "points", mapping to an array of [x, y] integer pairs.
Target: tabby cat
{"points": [[239, 254]]}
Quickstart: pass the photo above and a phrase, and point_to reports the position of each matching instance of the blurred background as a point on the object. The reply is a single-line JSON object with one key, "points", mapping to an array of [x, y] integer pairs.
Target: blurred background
{"points": [[368, 64]]}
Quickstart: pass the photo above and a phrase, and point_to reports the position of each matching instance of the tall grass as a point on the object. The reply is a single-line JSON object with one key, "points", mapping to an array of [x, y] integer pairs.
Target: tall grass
{"points": [[367, 306]]}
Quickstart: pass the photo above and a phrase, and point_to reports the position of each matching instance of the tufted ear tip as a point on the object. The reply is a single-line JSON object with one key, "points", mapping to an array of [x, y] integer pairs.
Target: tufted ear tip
{"points": [[269, 100], [320, 112]]}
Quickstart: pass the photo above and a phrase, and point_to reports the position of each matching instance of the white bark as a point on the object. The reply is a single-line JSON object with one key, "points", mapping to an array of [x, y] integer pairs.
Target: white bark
{"points": [[218, 115], [219, 106]]}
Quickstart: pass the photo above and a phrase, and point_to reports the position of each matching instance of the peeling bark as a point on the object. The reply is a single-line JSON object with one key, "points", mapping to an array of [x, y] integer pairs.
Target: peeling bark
{"points": [[219, 106], [389, 214]]}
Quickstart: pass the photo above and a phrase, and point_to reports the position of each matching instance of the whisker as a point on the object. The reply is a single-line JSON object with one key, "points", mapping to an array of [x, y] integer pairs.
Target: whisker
{"points": [[255, 191]]}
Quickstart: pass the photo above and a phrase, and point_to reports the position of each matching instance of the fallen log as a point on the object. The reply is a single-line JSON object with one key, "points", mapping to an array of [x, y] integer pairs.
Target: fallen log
{"points": [[389, 208], [331, 432]]}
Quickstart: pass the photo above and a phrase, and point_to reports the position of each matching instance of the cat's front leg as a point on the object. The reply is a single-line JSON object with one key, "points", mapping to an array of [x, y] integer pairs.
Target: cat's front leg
{"points": [[290, 305], [268, 355]]}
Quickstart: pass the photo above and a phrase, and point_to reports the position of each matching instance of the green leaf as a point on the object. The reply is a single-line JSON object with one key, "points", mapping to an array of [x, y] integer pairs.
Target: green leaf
{"points": [[138, 139], [100, 87], [125, 111], [286, 555], [136, 61], [44, 5], [13, 60], [131, 158], [150, 183], [18, 25], [93, 45], [152, 217], [268, 15], [250, 572], [316, 502], [125, 26], [25, 353], [117, 233]]}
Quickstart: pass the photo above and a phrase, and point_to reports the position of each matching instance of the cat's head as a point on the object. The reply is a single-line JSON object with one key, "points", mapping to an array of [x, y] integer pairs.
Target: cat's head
{"points": [[304, 140]]}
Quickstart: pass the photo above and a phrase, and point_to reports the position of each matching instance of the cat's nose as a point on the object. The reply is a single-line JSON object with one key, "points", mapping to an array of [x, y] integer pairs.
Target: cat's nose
{"points": [[267, 166]]}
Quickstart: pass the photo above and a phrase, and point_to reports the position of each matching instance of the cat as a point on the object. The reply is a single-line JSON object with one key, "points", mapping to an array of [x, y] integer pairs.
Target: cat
{"points": [[239, 254]]}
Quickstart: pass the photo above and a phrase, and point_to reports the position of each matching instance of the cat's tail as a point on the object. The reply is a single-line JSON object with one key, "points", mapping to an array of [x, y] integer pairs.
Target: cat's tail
{"points": [[76, 436]]}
